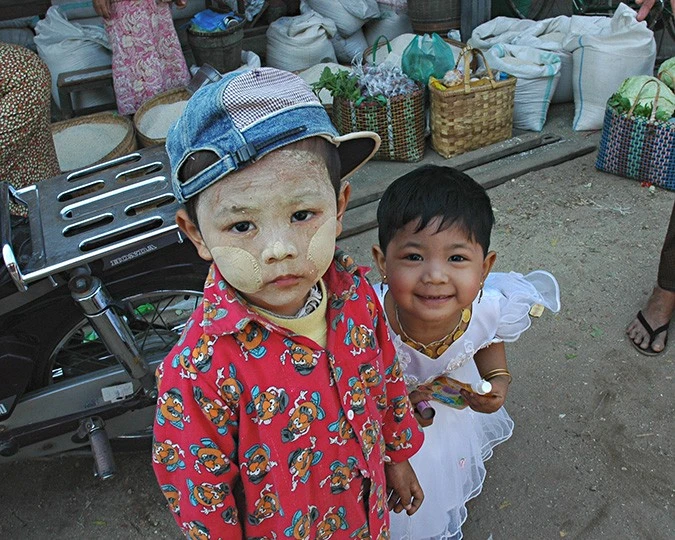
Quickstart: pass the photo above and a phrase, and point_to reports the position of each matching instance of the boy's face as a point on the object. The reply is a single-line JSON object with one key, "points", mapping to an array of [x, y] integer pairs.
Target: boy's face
{"points": [[271, 228]]}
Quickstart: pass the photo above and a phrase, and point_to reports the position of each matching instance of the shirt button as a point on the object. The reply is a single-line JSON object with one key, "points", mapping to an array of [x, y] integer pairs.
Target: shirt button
{"points": [[350, 414]]}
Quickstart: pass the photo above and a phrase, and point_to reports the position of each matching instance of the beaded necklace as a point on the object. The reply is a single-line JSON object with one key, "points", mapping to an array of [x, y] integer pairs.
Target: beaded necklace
{"points": [[438, 347]]}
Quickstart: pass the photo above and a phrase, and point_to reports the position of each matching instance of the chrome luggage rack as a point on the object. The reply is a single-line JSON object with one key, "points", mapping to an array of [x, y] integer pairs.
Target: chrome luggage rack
{"points": [[121, 207]]}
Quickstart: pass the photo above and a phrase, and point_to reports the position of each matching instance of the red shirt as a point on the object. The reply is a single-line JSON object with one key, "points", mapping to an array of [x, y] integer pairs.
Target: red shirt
{"points": [[306, 430]]}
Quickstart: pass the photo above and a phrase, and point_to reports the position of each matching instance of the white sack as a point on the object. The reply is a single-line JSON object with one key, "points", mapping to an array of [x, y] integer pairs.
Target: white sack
{"points": [[296, 43], [602, 60], [348, 15], [66, 46], [390, 24], [537, 73], [346, 48]]}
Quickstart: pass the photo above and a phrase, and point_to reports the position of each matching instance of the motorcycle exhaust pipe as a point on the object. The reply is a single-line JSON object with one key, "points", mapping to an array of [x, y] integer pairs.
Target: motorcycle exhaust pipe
{"points": [[93, 428]]}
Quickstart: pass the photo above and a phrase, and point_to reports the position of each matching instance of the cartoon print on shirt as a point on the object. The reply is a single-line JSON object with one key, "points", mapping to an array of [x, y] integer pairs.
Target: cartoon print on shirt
{"points": [[369, 376], [302, 523], [380, 501], [251, 339], [171, 409], [267, 404], [303, 359], [266, 506], [210, 457], [332, 521], [259, 462], [370, 435], [360, 337], [168, 454], [212, 312], [394, 373], [300, 462], [302, 415], [356, 396], [196, 530], [343, 428], [362, 533], [381, 401], [400, 405], [214, 409], [372, 309], [341, 475], [172, 496], [209, 496], [229, 388], [401, 441], [230, 515]]}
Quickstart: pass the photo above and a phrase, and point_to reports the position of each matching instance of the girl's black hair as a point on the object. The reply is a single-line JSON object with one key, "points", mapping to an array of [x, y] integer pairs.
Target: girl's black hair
{"points": [[433, 191], [202, 159]]}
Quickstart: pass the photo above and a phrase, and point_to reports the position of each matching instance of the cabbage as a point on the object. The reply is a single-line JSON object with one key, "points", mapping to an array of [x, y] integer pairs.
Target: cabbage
{"points": [[667, 72], [632, 86]]}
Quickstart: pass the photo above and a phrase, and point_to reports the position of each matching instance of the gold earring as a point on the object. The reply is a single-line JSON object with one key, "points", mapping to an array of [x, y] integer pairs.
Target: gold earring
{"points": [[480, 294], [384, 278]]}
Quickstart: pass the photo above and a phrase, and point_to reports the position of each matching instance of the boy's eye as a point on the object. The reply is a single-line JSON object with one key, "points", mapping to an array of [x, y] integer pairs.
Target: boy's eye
{"points": [[242, 227], [414, 257], [302, 215], [456, 258]]}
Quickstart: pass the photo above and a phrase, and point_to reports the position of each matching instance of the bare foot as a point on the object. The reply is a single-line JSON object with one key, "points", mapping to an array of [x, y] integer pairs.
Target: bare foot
{"points": [[657, 312]]}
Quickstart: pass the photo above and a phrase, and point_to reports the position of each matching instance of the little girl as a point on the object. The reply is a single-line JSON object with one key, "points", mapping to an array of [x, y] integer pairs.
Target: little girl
{"points": [[448, 317]]}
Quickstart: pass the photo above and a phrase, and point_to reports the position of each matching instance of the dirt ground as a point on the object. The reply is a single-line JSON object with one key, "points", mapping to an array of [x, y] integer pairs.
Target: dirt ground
{"points": [[592, 452]]}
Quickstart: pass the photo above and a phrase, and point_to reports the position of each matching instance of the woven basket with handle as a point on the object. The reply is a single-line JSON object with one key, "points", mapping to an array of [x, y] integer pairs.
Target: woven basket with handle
{"points": [[399, 122], [467, 116], [637, 147]]}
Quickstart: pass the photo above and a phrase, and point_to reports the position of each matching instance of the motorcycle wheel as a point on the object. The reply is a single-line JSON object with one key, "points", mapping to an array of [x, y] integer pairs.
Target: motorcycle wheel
{"points": [[156, 310]]}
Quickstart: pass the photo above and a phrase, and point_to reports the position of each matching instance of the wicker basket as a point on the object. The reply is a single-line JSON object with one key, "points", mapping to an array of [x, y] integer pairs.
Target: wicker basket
{"points": [[466, 117], [399, 123], [125, 146], [165, 98], [639, 148]]}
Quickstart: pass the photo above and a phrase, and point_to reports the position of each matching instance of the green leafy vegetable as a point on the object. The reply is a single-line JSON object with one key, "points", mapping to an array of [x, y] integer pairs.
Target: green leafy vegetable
{"points": [[634, 88], [341, 84]]}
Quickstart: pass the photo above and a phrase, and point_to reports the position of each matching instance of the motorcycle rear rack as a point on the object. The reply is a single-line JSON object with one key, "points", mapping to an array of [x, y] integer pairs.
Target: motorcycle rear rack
{"points": [[121, 207]]}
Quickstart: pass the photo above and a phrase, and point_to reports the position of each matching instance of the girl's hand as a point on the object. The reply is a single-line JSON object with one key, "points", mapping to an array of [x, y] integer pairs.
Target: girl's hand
{"points": [[421, 394], [488, 403], [102, 8]]}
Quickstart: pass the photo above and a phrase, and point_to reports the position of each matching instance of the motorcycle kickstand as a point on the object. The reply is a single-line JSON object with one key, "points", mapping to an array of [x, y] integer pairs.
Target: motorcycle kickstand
{"points": [[93, 428]]}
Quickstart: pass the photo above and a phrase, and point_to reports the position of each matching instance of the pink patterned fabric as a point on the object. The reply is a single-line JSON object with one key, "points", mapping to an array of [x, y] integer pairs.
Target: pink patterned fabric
{"points": [[147, 58]]}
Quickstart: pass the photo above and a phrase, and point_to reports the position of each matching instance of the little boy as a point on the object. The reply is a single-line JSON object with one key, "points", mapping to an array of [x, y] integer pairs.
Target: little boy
{"points": [[281, 410]]}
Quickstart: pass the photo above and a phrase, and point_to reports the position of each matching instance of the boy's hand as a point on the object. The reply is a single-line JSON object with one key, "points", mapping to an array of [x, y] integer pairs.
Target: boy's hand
{"points": [[488, 403], [421, 394], [404, 491], [102, 8]]}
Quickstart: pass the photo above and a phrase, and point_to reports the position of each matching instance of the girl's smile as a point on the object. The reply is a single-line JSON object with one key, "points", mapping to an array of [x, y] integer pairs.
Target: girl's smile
{"points": [[433, 274]]}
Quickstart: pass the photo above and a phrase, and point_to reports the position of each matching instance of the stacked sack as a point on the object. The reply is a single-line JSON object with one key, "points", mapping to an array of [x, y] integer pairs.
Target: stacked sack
{"points": [[596, 54]]}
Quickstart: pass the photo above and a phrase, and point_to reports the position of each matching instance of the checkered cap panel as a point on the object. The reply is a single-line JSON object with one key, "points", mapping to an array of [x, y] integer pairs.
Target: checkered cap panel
{"points": [[256, 94]]}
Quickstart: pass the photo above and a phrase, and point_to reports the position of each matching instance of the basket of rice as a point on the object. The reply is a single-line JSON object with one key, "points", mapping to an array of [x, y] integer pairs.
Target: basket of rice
{"points": [[91, 139], [154, 117]]}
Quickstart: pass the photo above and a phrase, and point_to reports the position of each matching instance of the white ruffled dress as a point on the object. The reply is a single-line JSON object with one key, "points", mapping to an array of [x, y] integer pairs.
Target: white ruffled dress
{"points": [[450, 465]]}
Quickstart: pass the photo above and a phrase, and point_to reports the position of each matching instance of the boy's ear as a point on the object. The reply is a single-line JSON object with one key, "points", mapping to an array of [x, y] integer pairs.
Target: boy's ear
{"points": [[380, 260], [192, 232], [488, 263], [343, 199]]}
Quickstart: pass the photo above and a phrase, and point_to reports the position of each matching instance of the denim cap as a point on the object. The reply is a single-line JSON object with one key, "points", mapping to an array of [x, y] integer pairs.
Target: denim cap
{"points": [[245, 116]]}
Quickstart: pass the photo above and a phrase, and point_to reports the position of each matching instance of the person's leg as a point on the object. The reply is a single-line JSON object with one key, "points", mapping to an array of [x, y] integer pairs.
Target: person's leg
{"points": [[661, 304]]}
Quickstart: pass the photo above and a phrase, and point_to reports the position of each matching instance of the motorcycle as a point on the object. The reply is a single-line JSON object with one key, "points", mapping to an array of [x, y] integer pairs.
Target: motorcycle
{"points": [[98, 287]]}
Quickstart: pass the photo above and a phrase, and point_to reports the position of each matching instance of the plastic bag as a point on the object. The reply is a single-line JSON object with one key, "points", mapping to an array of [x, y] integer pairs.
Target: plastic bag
{"points": [[427, 55]]}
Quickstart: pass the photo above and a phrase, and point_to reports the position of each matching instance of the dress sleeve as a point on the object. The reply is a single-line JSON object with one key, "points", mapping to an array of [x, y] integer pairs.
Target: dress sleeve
{"points": [[516, 295], [194, 447], [402, 434]]}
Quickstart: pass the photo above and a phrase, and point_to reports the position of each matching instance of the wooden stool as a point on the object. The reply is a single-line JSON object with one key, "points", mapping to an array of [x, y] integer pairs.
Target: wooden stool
{"points": [[82, 79]]}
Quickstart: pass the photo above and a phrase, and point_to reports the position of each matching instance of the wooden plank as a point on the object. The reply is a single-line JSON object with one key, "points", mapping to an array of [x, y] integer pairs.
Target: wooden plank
{"points": [[364, 192], [364, 216]]}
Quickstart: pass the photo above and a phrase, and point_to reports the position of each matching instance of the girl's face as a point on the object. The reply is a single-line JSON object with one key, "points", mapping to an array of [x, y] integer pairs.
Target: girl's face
{"points": [[433, 275], [271, 228]]}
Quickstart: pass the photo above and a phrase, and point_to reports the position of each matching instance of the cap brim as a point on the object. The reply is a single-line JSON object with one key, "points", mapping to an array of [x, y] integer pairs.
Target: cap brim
{"points": [[355, 150]]}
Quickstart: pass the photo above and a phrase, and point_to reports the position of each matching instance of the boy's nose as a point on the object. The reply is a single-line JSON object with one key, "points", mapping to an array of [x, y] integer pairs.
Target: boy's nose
{"points": [[279, 250]]}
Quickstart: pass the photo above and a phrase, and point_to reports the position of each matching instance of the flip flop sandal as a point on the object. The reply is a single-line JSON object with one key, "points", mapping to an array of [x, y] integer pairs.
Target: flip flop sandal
{"points": [[652, 335]]}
